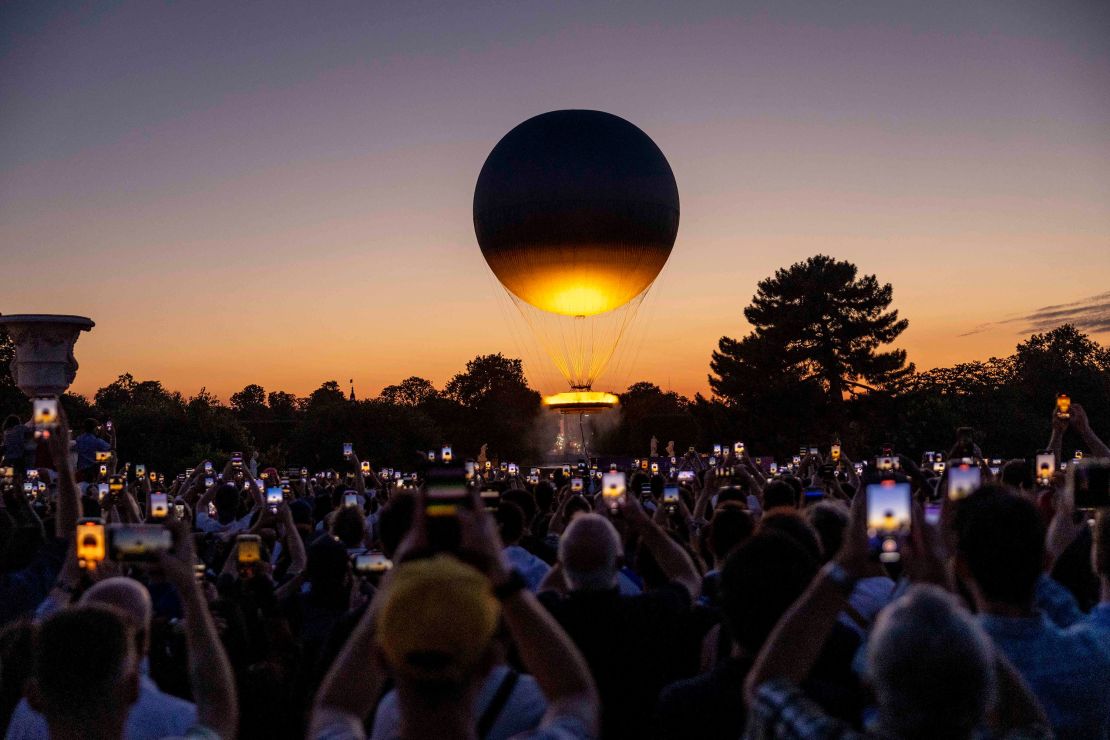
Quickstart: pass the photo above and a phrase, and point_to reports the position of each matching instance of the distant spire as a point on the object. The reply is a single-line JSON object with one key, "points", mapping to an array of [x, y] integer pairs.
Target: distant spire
{"points": [[352, 381]]}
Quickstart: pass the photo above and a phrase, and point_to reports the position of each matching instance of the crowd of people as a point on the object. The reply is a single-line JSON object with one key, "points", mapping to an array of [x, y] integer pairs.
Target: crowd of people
{"points": [[709, 595]]}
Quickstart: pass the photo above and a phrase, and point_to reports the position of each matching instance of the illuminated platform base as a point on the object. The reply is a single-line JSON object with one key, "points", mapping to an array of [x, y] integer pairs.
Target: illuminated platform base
{"points": [[580, 402]]}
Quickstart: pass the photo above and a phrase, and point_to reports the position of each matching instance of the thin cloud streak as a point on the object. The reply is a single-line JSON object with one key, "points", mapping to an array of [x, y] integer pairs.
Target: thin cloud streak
{"points": [[1088, 314]]}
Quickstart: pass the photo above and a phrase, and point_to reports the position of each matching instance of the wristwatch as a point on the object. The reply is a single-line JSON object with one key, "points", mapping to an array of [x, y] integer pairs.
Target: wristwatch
{"points": [[512, 585], [839, 577]]}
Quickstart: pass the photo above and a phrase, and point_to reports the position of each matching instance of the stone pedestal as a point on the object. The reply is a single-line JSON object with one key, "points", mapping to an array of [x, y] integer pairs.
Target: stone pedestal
{"points": [[44, 364]]}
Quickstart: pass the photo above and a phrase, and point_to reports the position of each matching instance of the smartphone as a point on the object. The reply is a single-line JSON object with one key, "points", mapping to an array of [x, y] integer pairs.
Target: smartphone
{"points": [[249, 548], [101, 491], [939, 466], [1079, 454], [370, 563], [445, 495], [1046, 464], [115, 483], [812, 450], [774, 468], [103, 455], [153, 477], [274, 498], [140, 470], [834, 453], [576, 485], [350, 498], [137, 542], [1063, 406], [103, 470], [812, 494], [236, 459], [1089, 483], [886, 449], [655, 468], [471, 469], [44, 416], [91, 549], [208, 466], [932, 513], [716, 450], [963, 479], [686, 475], [738, 448], [888, 519], [884, 464], [159, 506], [796, 460], [179, 511], [670, 498], [513, 469], [995, 466], [613, 488]]}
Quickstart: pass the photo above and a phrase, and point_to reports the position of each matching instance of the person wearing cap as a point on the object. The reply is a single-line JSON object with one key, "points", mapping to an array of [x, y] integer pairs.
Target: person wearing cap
{"points": [[432, 630]]}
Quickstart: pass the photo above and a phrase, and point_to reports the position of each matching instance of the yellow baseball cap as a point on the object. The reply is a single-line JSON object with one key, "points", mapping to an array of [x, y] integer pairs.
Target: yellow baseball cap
{"points": [[438, 619]]}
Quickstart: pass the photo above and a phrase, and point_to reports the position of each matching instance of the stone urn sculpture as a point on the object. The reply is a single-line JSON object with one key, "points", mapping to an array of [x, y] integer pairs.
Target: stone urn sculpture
{"points": [[44, 364]]}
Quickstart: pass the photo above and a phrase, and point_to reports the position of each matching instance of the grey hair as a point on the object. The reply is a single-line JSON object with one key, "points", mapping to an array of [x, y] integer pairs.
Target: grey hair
{"points": [[931, 666], [589, 552]]}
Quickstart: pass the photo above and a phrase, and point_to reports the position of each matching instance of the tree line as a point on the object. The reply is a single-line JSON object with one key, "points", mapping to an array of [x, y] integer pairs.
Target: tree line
{"points": [[817, 366]]}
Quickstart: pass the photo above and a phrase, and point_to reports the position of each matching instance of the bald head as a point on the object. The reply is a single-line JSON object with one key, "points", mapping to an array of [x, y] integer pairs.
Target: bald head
{"points": [[126, 595], [589, 551]]}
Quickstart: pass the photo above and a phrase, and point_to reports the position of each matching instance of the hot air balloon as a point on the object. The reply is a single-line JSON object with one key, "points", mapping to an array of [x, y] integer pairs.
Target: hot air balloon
{"points": [[576, 212]]}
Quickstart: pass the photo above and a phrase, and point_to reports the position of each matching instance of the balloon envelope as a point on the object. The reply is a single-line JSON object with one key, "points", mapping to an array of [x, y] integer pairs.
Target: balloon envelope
{"points": [[576, 212]]}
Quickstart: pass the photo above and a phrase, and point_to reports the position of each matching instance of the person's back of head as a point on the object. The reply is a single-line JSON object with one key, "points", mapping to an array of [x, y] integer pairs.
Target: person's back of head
{"points": [[510, 522], [131, 599], [794, 526], [11, 421], [545, 496], [931, 667], [349, 525], [90, 426], [85, 670], [395, 520], [589, 552], [730, 526], [436, 629], [734, 494], [1018, 474], [1000, 544], [525, 500], [779, 494], [829, 519], [759, 581]]}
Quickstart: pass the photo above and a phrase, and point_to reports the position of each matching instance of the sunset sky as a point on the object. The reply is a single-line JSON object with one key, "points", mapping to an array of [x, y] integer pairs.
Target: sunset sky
{"points": [[280, 193]]}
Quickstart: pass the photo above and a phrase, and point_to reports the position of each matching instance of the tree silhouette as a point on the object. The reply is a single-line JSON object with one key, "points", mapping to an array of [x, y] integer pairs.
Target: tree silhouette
{"points": [[250, 403], [411, 391], [815, 321]]}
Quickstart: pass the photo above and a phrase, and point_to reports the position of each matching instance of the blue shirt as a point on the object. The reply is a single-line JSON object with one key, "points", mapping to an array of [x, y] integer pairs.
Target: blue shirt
{"points": [[87, 445], [1067, 668], [528, 565]]}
